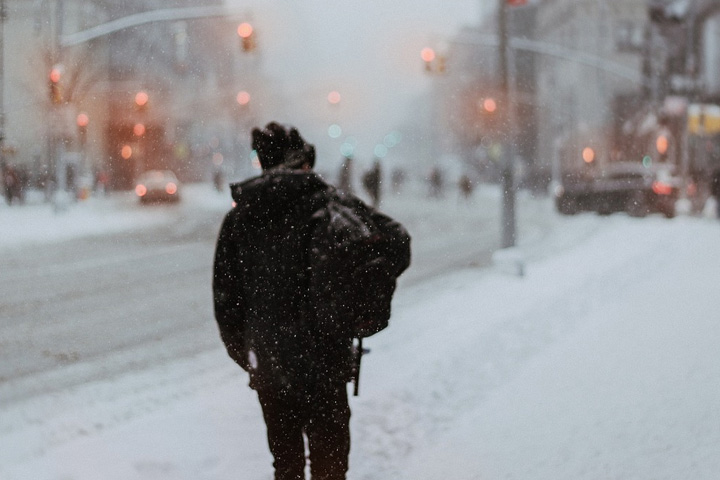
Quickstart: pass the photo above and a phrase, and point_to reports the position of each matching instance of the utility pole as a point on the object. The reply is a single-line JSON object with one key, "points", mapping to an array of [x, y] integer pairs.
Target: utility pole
{"points": [[508, 182], [2, 84]]}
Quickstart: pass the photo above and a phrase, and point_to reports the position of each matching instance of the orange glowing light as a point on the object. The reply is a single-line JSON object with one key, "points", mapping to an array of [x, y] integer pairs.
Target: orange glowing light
{"points": [[243, 98], [661, 188], [126, 152], [245, 30], [139, 129], [140, 190], [661, 143], [588, 155], [489, 105], [83, 120], [141, 98], [55, 75], [171, 188], [334, 97], [427, 54]]}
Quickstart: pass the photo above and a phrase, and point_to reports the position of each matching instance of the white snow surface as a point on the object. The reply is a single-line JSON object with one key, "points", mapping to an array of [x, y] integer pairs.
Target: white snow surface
{"points": [[600, 362]]}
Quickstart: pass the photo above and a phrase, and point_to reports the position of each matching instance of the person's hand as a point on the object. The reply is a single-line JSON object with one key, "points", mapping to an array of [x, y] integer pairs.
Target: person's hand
{"points": [[238, 356]]}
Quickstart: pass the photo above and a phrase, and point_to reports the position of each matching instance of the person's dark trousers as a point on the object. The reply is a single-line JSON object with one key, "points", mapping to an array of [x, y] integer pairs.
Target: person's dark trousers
{"points": [[323, 415]]}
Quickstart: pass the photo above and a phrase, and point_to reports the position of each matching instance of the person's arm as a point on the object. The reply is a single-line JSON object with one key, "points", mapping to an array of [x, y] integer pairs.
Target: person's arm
{"points": [[228, 294]]}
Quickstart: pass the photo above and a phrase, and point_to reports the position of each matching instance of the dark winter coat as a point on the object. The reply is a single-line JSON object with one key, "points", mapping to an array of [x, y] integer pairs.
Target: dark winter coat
{"points": [[261, 284]]}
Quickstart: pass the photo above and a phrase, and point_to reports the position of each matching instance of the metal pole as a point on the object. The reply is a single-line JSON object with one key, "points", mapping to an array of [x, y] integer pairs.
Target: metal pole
{"points": [[508, 182], [2, 83]]}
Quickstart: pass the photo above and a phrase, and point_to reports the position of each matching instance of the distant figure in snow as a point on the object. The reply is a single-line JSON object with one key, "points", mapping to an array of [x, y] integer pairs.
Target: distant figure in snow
{"points": [[372, 181], [345, 176]]}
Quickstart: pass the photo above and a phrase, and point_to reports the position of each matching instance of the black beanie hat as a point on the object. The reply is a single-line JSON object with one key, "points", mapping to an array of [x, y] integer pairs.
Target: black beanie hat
{"points": [[277, 146]]}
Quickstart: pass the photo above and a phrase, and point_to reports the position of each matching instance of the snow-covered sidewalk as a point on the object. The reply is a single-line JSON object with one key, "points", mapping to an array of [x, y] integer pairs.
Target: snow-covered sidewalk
{"points": [[600, 362]]}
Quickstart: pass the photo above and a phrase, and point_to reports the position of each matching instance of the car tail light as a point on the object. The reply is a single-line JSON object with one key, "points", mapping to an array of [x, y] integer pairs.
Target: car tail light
{"points": [[661, 188], [140, 190], [171, 188]]}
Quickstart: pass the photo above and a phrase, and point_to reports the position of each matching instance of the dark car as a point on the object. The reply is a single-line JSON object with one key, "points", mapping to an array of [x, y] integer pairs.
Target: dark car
{"points": [[157, 186], [622, 187]]}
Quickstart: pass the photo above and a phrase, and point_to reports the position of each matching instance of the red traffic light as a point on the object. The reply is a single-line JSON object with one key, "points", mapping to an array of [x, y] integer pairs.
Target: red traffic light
{"points": [[489, 105], [662, 144], [243, 98], [55, 74], [427, 54], [54, 78], [246, 32], [141, 99], [82, 120]]}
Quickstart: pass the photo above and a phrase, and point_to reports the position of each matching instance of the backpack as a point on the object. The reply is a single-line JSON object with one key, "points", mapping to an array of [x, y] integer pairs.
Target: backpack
{"points": [[356, 256]]}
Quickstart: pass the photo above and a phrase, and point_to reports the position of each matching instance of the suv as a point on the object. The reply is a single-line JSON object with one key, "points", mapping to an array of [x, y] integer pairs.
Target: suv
{"points": [[623, 187]]}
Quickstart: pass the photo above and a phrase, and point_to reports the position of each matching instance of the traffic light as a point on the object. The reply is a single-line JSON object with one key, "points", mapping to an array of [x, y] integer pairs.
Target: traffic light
{"points": [[246, 32], [489, 106], [490, 114], [588, 155], [428, 55], [55, 88], [139, 129], [141, 100], [243, 98], [82, 123], [661, 144]]}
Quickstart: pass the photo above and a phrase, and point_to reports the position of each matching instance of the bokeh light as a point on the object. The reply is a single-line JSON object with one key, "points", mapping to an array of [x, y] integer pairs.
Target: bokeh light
{"points": [[243, 98], [334, 97], [334, 130]]}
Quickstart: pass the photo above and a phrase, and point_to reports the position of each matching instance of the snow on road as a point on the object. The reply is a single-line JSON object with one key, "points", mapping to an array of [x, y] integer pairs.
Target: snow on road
{"points": [[600, 362]]}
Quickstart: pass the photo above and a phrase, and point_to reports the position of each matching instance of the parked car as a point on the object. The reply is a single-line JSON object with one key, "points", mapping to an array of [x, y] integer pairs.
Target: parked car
{"points": [[157, 186], [622, 187]]}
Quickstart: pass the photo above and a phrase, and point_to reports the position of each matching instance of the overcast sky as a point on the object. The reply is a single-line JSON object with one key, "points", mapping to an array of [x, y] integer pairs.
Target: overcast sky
{"points": [[367, 50]]}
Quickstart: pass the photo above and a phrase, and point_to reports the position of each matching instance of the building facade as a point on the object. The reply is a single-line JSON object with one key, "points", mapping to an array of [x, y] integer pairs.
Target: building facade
{"points": [[189, 70]]}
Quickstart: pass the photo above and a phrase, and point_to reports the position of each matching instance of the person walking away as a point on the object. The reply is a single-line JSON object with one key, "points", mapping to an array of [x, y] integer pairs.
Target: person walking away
{"points": [[266, 313], [372, 181], [345, 175]]}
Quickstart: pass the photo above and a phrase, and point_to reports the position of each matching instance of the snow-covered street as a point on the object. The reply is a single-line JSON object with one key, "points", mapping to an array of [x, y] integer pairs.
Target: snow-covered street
{"points": [[599, 362]]}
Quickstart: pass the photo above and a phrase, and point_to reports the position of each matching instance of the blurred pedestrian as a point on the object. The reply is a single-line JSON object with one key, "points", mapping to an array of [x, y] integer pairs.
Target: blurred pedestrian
{"points": [[436, 182], [268, 299], [466, 186], [101, 181], [398, 179], [218, 179], [345, 175], [372, 181], [11, 184]]}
